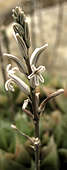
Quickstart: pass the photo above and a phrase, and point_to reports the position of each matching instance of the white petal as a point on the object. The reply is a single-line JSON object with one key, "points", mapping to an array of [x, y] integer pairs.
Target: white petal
{"points": [[41, 68], [14, 69], [22, 46], [36, 74], [8, 67], [35, 55], [33, 68], [11, 70], [8, 85], [41, 78], [33, 72], [36, 79], [17, 61], [23, 86], [31, 75], [18, 29], [27, 35]]}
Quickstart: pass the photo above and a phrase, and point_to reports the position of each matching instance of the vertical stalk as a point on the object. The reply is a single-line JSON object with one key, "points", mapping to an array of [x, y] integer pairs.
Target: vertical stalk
{"points": [[35, 103], [37, 147]]}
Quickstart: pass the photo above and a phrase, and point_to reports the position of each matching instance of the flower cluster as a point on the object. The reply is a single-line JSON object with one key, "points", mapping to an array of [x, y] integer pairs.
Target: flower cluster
{"points": [[21, 33], [21, 25]]}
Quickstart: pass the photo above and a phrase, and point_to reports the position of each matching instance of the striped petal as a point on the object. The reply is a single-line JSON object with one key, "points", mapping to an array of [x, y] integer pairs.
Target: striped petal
{"points": [[9, 86], [35, 55], [36, 79], [22, 46], [41, 78], [17, 61], [22, 85], [18, 29], [27, 35]]}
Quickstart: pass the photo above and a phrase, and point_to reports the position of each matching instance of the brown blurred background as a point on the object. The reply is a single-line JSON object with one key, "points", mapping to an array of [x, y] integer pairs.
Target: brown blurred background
{"points": [[48, 24]]}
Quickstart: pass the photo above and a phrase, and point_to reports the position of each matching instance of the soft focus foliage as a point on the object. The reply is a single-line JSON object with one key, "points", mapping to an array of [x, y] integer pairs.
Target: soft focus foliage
{"points": [[16, 152]]}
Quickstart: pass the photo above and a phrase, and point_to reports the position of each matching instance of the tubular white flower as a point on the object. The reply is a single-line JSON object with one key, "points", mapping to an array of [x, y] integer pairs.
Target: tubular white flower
{"points": [[18, 29], [22, 45], [13, 78], [18, 62], [36, 74], [35, 55]]}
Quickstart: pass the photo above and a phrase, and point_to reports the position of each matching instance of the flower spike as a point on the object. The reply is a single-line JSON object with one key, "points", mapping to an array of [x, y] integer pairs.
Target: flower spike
{"points": [[22, 25]]}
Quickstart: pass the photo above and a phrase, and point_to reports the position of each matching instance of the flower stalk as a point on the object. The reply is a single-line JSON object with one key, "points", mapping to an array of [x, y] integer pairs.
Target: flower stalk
{"points": [[33, 75], [50, 96], [21, 133]]}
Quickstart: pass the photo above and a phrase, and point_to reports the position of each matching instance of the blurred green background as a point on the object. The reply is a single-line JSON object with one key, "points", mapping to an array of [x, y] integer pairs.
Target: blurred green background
{"points": [[47, 24]]}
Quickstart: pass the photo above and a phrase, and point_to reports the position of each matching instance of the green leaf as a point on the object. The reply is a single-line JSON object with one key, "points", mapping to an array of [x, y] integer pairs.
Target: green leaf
{"points": [[7, 137], [50, 156]]}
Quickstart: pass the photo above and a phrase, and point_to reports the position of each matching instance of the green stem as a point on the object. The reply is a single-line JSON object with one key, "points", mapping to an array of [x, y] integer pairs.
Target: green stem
{"points": [[37, 147], [35, 103]]}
